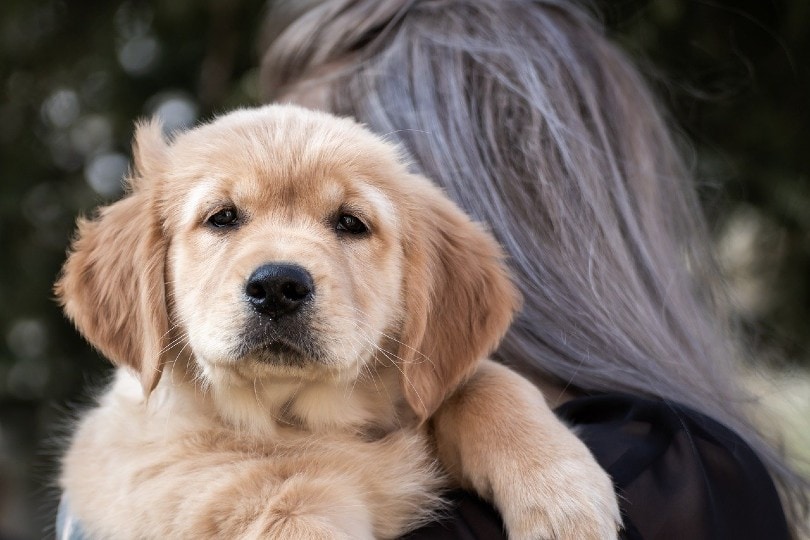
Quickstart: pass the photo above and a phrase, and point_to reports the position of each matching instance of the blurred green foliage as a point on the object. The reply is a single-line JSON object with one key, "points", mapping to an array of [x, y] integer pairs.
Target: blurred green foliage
{"points": [[736, 77], [75, 75]]}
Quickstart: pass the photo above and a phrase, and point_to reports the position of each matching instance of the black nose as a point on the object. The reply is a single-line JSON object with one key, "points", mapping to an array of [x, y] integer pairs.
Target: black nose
{"points": [[278, 289]]}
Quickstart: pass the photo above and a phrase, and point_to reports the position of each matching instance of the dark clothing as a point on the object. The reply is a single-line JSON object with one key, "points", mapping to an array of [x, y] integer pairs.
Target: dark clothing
{"points": [[679, 474]]}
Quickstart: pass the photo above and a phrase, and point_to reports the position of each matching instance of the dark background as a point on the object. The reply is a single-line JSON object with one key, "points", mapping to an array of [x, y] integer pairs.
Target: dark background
{"points": [[74, 75]]}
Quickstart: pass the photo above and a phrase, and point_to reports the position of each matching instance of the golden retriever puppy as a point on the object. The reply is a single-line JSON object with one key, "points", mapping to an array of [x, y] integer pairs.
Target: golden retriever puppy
{"points": [[300, 325]]}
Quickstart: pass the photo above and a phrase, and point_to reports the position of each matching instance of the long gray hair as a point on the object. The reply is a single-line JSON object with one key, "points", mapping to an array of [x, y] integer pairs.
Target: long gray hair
{"points": [[540, 127]]}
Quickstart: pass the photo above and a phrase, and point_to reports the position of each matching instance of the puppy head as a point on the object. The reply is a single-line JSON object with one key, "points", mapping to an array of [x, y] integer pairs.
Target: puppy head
{"points": [[284, 243]]}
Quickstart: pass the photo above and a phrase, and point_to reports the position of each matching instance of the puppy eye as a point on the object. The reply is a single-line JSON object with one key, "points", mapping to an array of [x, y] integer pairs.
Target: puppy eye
{"points": [[350, 224], [224, 218]]}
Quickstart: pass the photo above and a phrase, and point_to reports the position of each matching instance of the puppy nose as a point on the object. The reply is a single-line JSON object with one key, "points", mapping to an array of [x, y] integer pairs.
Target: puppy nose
{"points": [[279, 289]]}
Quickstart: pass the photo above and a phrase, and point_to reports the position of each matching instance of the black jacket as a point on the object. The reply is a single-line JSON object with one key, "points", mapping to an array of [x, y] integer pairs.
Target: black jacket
{"points": [[679, 475]]}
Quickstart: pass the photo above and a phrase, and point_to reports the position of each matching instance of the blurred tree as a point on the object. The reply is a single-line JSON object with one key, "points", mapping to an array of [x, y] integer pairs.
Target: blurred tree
{"points": [[74, 76]]}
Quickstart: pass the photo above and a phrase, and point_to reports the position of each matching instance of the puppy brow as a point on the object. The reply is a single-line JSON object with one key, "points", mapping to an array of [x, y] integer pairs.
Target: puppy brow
{"points": [[379, 201], [200, 200], [333, 192]]}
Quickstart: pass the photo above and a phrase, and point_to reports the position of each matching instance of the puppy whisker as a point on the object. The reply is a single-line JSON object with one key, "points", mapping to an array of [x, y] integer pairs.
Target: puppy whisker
{"points": [[419, 353], [388, 136], [395, 361]]}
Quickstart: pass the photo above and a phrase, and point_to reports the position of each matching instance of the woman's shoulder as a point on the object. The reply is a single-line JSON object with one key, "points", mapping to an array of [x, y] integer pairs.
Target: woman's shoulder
{"points": [[678, 473]]}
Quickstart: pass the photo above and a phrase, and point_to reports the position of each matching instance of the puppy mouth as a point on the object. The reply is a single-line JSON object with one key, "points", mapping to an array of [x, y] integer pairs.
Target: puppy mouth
{"points": [[281, 352], [275, 350]]}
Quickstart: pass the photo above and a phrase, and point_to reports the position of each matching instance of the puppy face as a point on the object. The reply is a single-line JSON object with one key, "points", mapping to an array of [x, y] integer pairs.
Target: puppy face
{"points": [[286, 256], [282, 243]]}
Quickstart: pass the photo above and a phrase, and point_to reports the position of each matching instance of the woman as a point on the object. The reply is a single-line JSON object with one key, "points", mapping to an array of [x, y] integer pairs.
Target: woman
{"points": [[537, 125]]}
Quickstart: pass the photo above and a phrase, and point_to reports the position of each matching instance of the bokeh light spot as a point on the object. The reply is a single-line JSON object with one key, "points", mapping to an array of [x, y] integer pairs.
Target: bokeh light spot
{"points": [[61, 108], [177, 110], [104, 173]]}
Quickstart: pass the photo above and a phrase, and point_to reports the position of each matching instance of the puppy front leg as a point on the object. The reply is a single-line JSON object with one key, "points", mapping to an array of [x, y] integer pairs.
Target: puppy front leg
{"points": [[497, 435]]}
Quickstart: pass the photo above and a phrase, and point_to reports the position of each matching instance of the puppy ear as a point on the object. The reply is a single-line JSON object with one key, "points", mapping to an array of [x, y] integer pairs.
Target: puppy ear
{"points": [[458, 303], [112, 285], [149, 150]]}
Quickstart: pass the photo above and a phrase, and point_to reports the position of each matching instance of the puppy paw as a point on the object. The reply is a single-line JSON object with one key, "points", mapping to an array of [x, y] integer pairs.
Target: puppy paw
{"points": [[565, 500]]}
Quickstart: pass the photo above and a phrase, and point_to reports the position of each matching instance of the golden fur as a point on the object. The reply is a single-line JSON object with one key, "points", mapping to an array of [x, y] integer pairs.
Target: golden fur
{"points": [[212, 431]]}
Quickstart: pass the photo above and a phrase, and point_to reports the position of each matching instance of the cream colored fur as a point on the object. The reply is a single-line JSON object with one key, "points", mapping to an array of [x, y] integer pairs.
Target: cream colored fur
{"points": [[210, 432]]}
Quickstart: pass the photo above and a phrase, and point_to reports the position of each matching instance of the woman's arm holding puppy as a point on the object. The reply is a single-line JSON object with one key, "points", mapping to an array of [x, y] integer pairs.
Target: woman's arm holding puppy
{"points": [[497, 436]]}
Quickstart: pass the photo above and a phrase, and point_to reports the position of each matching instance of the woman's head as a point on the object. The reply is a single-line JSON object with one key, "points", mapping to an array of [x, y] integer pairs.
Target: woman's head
{"points": [[539, 126]]}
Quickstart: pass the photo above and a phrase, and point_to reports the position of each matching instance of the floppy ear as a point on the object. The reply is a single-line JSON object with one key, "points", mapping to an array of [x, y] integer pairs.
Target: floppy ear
{"points": [[112, 285], [459, 300]]}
